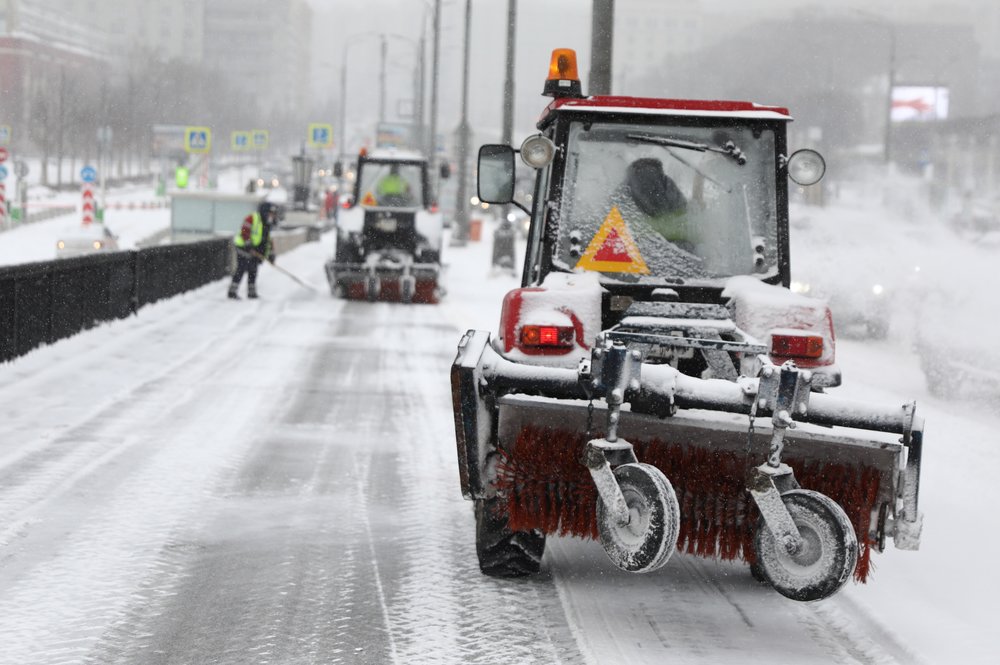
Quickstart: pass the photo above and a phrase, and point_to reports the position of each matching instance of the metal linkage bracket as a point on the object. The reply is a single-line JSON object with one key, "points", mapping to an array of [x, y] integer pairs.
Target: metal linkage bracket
{"points": [[596, 456], [766, 485], [783, 392], [613, 372]]}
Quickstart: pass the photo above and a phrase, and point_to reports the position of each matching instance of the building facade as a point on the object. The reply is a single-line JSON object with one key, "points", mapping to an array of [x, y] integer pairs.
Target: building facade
{"points": [[263, 44]]}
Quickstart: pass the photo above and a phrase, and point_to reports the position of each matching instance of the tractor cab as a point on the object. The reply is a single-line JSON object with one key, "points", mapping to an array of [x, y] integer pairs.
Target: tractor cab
{"points": [[673, 208]]}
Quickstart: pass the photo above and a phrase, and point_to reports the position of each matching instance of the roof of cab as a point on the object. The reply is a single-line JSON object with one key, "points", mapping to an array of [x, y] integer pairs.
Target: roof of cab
{"points": [[675, 107], [395, 154]]}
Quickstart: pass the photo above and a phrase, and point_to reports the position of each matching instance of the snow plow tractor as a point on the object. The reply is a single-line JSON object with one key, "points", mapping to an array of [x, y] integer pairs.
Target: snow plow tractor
{"points": [[654, 384], [389, 239]]}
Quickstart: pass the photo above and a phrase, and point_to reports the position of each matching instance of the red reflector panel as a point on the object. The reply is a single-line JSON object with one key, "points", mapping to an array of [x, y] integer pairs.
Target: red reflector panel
{"points": [[797, 346], [547, 336]]}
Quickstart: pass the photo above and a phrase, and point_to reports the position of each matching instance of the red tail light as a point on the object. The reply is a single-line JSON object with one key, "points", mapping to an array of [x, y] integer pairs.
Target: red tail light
{"points": [[562, 332], [547, 337], [790, 345]]}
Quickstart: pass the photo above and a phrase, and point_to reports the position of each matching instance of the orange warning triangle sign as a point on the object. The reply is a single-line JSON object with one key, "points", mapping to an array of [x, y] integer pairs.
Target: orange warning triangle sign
{"points": [[612, 249], [369, 200]]}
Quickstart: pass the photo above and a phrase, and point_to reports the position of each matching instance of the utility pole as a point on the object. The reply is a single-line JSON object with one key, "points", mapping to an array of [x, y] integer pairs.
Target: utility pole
{"points": [[343, 109], [892, 84], [432, 133], [462, 198], [508, 83], [419, 111], [602, 30], [381, 97]]}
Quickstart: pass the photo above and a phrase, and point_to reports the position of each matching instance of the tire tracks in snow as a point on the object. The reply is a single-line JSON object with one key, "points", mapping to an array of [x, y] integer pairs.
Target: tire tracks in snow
{"points": [[105, 532], [697, 610]]}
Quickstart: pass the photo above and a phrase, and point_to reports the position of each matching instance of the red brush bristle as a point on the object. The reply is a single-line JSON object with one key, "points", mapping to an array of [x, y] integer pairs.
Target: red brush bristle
{"points": [[548, 488]]}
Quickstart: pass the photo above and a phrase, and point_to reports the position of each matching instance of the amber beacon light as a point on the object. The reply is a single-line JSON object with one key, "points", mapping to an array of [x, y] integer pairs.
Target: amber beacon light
{"points": [[563, 80]]}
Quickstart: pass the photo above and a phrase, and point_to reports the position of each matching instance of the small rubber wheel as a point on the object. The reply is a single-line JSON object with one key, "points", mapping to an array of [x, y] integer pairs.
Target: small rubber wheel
{"points": [[649, 538], [502, 552], [826, 558], [373, 288], [407, 287], [757, 573]]}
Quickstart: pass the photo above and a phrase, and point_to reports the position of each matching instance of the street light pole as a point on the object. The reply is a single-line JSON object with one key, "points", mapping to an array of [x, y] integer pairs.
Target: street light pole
{"points": [[462, 197], [381, 96], [343, 87], [419, 100], [892, 84], [602, 29], [436, 54], [508, 82], [418, 83], [890, 29]]}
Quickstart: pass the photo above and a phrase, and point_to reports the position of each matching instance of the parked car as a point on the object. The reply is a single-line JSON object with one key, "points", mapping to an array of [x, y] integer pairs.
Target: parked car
{"points": [[958, 355], [977, 216], [860, 304], [86, 240]]}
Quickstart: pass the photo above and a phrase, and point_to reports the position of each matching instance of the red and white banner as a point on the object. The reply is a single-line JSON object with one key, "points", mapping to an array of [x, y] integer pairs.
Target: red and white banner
{"points": [[919, 102]]}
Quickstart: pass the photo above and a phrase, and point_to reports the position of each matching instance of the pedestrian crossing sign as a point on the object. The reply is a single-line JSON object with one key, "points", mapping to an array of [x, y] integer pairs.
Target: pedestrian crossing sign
{"points": [[240, 141], [261, 138], [369, 200], [320, 135], [612, 249], [197, 139]]}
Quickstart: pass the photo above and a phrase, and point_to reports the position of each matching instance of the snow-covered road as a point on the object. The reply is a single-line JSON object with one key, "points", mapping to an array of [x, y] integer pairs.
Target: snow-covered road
{"points": [[275, 481]]}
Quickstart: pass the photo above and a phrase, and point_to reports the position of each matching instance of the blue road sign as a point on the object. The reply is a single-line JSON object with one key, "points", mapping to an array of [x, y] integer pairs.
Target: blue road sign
{"points": [[3, 172], [320, 135], [88, 174], [197, 139]]}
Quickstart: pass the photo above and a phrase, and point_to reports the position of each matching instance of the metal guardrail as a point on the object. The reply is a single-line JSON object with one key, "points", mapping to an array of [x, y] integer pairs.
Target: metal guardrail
{"points": [[41, 303]]}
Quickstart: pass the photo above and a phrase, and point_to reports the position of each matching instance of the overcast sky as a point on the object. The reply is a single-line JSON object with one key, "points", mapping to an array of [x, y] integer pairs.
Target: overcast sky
{"points": [[542, 26]]}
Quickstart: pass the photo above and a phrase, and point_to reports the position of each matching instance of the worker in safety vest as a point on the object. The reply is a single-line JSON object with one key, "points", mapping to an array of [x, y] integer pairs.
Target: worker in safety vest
{"points": [[393, 189], [253, 245]]}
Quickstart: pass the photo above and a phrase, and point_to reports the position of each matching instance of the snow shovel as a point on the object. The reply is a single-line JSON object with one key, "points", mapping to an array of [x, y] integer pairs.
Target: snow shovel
{"points": [[258, 255]]}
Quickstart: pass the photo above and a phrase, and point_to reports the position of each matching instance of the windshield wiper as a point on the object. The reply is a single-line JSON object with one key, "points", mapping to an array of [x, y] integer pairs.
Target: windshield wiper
{"points": [[727, 148]]}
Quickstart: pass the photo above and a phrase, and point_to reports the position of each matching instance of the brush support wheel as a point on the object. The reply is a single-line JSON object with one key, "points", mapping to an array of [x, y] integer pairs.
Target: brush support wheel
{"points": [[649, 538], [502, 552], [407, 288], [826, 556], [373, 288]]}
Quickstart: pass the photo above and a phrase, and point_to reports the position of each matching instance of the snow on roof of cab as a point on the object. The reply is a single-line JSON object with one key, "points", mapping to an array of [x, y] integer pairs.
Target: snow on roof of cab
{"points": [[393, 154], [654, 106]]}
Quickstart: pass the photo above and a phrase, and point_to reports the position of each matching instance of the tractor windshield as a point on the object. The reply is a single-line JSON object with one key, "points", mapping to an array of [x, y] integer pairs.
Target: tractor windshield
{"points": [[669, 204], [391, 184]]}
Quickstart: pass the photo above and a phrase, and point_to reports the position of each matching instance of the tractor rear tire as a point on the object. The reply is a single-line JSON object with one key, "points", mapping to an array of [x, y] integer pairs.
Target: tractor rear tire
{"points": [[826, 557], [502, 552]]}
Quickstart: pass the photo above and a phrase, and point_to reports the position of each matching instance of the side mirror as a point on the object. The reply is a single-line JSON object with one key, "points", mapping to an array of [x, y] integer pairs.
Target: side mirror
{"points": [[445, 170], [806, 167], [338, 170], [496, 174]]}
